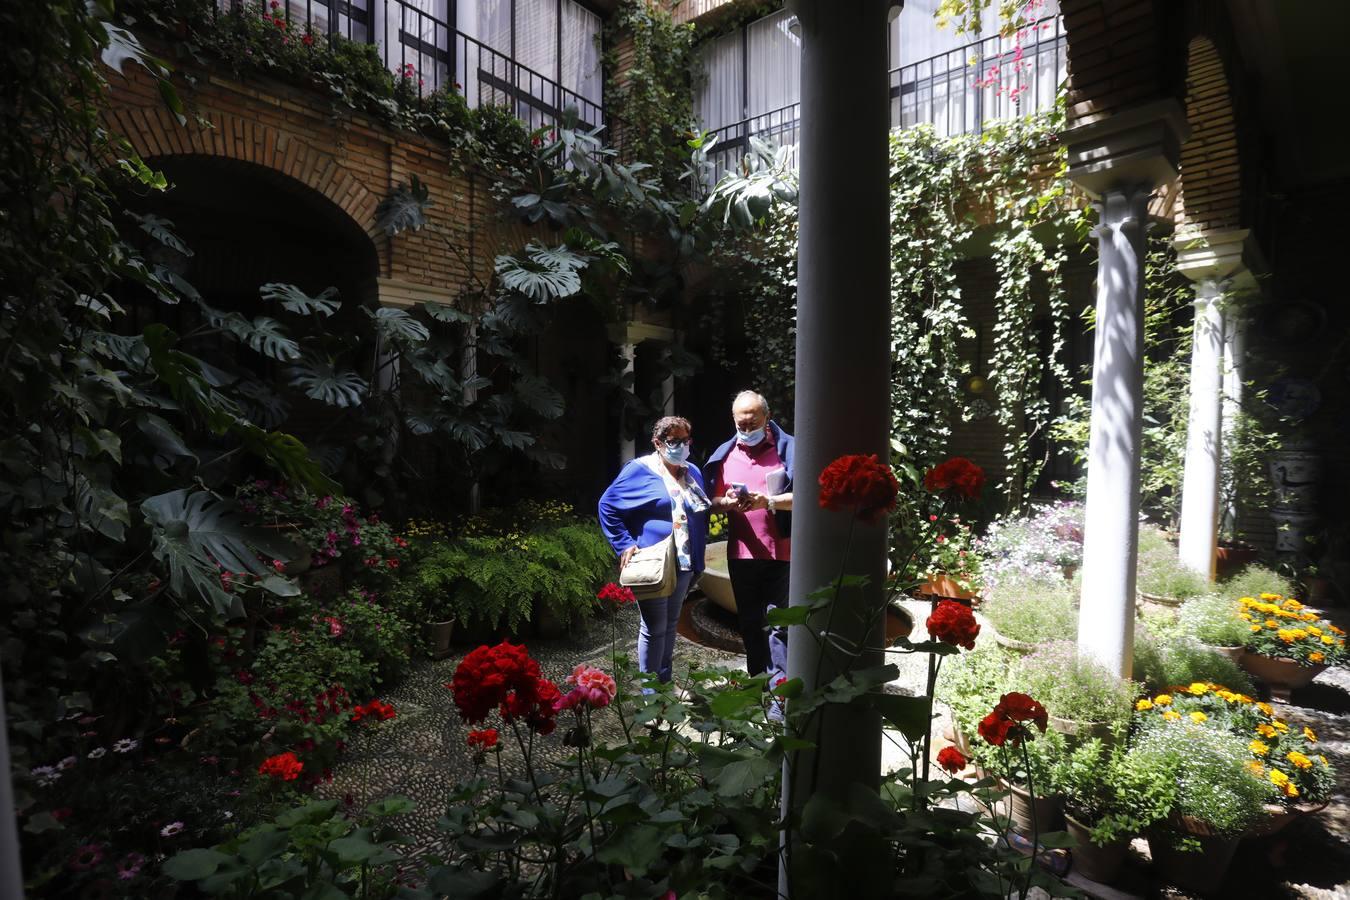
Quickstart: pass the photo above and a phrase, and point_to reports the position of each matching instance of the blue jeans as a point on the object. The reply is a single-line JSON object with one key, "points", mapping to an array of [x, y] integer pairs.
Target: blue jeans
{"points": [[656, 633]]}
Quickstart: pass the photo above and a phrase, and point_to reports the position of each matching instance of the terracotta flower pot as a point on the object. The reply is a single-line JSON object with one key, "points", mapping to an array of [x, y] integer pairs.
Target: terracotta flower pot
{"points": [[1015, 646], [1201, 872], [438, 637], [1093, 862], [1282, 674], [1233, 653], [1279, 816], [1049, 811], [944, 586]]}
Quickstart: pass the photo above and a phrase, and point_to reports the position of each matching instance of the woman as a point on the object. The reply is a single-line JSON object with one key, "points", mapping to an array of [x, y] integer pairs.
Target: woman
{"points": [[655, 496]]}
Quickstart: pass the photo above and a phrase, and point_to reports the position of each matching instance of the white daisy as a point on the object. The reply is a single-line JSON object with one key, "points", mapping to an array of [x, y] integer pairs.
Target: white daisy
{"points": [[125, 745], [171, 829], [98, 753], [45, 775]]}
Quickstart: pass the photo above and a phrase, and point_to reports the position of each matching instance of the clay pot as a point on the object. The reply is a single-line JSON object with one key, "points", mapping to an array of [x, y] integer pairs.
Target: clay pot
{"points": [[1233, 653], [1201, 872], [1279, 816], [945, 587], [1018, 647], [438, 637], [1093, 862], [1049, 811], [1282, 674]]}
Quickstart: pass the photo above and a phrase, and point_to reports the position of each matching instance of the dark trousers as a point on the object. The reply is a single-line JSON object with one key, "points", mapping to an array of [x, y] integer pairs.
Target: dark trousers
{"points": [[761, 585]]}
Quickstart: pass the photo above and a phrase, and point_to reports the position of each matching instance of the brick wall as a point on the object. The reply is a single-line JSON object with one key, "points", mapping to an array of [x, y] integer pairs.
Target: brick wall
{"points": [[1210, 188], [1116, 56]]}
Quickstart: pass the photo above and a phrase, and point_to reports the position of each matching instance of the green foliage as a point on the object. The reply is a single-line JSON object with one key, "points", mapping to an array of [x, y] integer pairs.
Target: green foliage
{"points": [[1255, 580], [971, 684], [1214, 620], [1205, 774], [1074, 688], [500, 576], [653, 99], [1032, 608], [314, 850], [1112, 790], [1161, 572], [1163, 663]]}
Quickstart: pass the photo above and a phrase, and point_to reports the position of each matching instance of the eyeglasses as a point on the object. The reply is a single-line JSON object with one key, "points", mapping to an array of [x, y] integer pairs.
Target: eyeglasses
{"points": [[678, 442]]}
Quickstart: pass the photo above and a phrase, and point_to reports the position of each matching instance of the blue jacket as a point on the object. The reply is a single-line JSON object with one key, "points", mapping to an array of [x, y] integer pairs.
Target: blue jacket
{"points": [[784, 442], [635, 510]]}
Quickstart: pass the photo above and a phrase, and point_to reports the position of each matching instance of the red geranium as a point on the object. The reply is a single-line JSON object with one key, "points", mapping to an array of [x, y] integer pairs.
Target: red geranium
{"points": [[1007, 723], [958, 476], [951, 759], [859, 481], [613, 593], [285, 766], [375, 709], [505, 677], [483, 740], [954, 623]]}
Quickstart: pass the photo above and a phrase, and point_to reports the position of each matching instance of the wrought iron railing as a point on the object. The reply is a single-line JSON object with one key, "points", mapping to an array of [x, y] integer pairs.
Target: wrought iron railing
{"points": [[429, 54], [958, 92]]}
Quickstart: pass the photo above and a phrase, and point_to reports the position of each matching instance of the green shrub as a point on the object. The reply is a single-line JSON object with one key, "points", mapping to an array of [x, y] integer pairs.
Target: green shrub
{"points": [[1255, 580], [1205, 774], [1070, 687], [1112, 790], [501, 578], [1032, 609], [971, 683], [1163, 663], [1214, 620]]}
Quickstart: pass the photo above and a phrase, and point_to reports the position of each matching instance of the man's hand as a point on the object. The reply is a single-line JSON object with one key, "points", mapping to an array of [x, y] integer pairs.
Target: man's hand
{"points": [[757, 501], [626, 555], [734, 499]]}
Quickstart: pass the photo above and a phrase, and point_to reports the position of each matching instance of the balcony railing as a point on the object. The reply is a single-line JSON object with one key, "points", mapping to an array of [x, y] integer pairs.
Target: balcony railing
{"points": [[430, 54], [958, 92]]}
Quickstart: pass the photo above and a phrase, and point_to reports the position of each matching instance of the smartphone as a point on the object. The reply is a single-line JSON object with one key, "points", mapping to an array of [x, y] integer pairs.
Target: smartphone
{"points": [[739, 488]]}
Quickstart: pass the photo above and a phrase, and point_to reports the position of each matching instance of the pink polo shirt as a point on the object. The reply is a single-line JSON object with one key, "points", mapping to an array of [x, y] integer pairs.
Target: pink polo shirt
{"points": [[754, 534]]}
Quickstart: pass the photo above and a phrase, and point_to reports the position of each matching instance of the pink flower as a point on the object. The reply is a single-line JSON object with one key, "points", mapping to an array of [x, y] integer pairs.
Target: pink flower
{"points": [[593, 686]]}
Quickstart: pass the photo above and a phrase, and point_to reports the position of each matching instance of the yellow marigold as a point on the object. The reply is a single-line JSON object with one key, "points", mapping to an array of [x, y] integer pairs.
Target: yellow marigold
{"points": [[1323, 760], [1197, 717], [1255, 628], [1256, 768], [1144, 704], [1328, 639], [1298, 759], [1266, 731], [1271, 623], [1245, 616], [1247, 601], [1293, 604], [1171, 715], [1259, 748], [1198, 688], [1290, 789], [1266, 708], [1316, 657], [1280, 726], [1162, 700], [1271, 597], [1309, 734], [1313, 630], [1243, 698], [1278, 778], [1291, 635], [1226, 695], [1308, 617]]}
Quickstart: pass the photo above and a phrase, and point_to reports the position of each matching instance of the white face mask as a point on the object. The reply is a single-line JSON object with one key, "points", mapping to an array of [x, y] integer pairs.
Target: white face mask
{"points": [[750, 438], [676, 455]]}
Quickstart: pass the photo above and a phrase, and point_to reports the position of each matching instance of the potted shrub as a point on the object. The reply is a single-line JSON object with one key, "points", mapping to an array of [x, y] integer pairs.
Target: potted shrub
{"points": [[1255, 580], [946, 558], [1109, 797], [1045, 811], [1084, 699], [1215, 621], [1027, 610], [1301, 778], [1048, 541], [1163, 583], [1210, 794], [970, 685], [1163, 661], [1287, 645]]}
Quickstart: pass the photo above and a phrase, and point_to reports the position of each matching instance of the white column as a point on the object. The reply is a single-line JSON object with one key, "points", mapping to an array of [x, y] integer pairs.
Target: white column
{"points": [[842, 402], [1111, 525], [1200, 481], [1234, 346], [627, 445]]}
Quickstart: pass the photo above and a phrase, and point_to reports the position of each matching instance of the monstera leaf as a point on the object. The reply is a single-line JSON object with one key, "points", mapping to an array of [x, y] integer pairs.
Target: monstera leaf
{"points": [[405, 208], [536, 394], [320, 381], [292, 299], [396, 325], [443, 312], [544, 273], [196, 534]]}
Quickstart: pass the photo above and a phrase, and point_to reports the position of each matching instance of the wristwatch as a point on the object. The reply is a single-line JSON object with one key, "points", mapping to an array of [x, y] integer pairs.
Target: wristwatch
{"points": [[773, 507]]}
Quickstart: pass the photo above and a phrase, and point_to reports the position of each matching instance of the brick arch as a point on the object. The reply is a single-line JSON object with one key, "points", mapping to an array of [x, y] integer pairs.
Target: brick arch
{"points": [[154, 132], [1210, 183]]}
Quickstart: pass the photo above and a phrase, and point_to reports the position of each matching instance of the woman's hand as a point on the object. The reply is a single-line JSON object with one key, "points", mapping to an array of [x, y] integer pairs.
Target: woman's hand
{"points": [[626, 555]]}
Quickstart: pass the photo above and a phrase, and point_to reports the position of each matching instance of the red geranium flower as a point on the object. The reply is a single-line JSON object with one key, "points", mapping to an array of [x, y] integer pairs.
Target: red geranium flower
{"points": [[859, 481], [285, 766], [958, 476], [483, 740], [954, 623], [505, 677], [1007, 723], [616, 594], [375, 709], [951, 759]]}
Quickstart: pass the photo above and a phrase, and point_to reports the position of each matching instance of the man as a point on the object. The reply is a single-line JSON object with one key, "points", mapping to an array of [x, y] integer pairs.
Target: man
{"points": [[751, 480]]}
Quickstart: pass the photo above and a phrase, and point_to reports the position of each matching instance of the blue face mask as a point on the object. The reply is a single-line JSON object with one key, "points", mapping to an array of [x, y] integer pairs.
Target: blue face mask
{"points": [[675, 454], [750, 438]]}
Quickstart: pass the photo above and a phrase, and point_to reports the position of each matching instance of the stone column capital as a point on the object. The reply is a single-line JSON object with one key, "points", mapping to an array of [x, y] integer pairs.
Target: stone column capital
{"points": [[637, 332], [1229, 257], [1139, 145]]}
